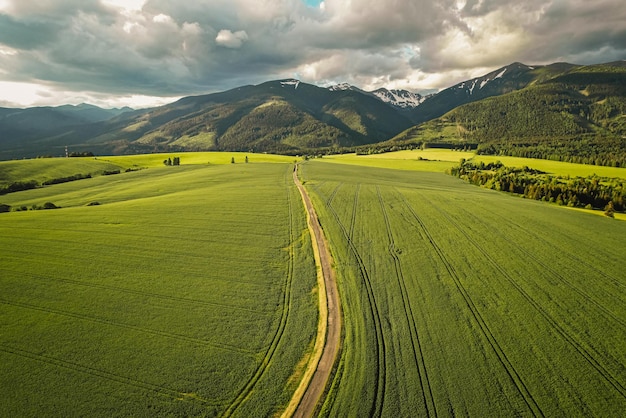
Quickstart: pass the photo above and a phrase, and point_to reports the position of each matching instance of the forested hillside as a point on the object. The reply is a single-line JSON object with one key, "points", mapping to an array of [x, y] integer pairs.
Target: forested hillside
{"points": [[578, 116]]}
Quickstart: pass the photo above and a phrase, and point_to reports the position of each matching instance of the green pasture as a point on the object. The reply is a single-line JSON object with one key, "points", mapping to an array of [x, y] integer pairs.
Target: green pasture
{"points": [[196, 158], [429, 160], [188, 291], [43, 169], [558, 168], [462, 301], [438, 160]]}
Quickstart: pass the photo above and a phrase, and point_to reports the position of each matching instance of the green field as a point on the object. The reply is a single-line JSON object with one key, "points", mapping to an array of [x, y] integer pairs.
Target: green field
{"points": [[461, 301], [191, 291], [438, 160], [188, 291]]}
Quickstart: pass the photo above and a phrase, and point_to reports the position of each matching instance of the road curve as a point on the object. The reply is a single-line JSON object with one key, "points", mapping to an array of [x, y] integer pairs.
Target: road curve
{"points": [[315, 385]]}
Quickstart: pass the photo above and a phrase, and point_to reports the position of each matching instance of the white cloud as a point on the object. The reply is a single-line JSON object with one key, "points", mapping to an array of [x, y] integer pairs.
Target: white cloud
{"points": [[170, 48], [229, 39], [162, 18]]}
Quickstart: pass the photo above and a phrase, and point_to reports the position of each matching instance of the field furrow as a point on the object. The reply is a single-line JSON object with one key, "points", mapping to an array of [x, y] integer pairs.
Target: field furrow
{"points": [[380, 346], [285, 304], [418, 353], [181, 279], [586, 353], [513, 374], [56, 362]]}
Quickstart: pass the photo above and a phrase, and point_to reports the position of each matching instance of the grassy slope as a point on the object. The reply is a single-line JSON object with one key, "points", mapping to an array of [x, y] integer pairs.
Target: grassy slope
{"points": [[464, 301], [43, 169], [167, 299], [51, 168]]}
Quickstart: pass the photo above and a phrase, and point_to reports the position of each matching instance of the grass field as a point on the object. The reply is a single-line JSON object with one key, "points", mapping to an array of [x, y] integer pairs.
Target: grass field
{"points": [[43, 169], [461, 301], [556, 167], [189, 291], [430, 160], [438, 160]]}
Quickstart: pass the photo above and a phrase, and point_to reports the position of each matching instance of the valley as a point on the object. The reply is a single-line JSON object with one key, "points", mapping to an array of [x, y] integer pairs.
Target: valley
{"points": [[192, 290]]}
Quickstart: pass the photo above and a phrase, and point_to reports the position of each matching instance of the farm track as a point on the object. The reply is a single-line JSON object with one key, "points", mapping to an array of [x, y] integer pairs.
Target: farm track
{"points": [[329, 327], [136, 292], [554, 273], [418, 353], [584, 352], [379, 389], [170, 393], [150, 331], [486, 331], [248, 388]]}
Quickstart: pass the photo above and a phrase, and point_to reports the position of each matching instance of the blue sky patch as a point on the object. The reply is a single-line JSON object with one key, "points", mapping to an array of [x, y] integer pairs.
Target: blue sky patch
{"points": [[312, 3]]}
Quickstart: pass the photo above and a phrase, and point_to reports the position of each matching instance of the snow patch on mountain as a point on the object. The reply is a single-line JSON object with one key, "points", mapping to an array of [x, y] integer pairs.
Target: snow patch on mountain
{"points": [[399, 98], [290, 83], [341, 87]]}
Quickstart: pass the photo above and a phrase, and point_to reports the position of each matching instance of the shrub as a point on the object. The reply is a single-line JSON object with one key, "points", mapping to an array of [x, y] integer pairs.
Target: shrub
{"points": [[4, 208]]}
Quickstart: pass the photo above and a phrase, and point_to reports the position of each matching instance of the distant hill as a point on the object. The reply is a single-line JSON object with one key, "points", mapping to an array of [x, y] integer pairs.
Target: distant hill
{"points": [[285, 116], [22, 131], [519, 105]]}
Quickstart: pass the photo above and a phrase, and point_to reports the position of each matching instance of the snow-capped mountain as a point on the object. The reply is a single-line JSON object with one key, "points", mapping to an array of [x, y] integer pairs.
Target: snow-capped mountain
{"points": [[343, 87], [475, 85], [402, 99]]}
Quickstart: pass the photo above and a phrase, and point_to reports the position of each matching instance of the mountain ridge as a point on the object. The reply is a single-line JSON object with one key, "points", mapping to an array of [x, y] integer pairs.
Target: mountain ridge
{"points": [[284, 116]]}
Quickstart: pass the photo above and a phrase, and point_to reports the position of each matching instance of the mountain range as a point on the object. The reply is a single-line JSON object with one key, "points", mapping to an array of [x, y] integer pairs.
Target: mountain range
{"points": [[514, 103]]}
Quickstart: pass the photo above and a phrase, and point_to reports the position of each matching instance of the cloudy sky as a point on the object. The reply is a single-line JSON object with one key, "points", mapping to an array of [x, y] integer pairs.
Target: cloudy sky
{"points": [[146, 52]]}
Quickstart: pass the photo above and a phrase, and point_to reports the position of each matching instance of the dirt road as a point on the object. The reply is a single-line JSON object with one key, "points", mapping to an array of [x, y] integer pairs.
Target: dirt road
{"points": [[312, 395]]}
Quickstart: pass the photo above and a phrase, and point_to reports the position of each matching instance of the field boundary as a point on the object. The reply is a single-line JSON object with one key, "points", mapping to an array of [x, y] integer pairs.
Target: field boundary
{"points": [[306, 397]]}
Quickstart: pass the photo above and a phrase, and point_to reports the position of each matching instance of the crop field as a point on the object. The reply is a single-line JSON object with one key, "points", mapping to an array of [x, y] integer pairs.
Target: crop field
{"points": [[461, 301], [555, 167], [438, 160], [180, 291], [417, 160]]}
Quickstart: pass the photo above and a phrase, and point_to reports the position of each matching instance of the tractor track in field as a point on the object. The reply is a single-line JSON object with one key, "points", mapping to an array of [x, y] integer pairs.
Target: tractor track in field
{"points": [[332, 195], [150, 331], [418, 353], [136, 292], [584, 352], [92, 371], [248, 388], [486, 331], [379, 389], [610, 278], [354, 207], [329, 329], [556, 274]]}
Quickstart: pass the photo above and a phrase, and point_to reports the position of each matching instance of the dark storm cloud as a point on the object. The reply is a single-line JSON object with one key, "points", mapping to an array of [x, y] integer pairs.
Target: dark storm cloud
{"points": [[171, 48]]}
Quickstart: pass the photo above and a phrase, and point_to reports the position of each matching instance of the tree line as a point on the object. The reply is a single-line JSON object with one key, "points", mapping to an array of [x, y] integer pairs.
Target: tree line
{"points": [[593, 192]]}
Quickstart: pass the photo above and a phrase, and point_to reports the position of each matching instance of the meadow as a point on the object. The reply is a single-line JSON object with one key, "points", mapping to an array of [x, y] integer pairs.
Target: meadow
{"points": [[186, 291], [191, 291], [463, 301]]}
